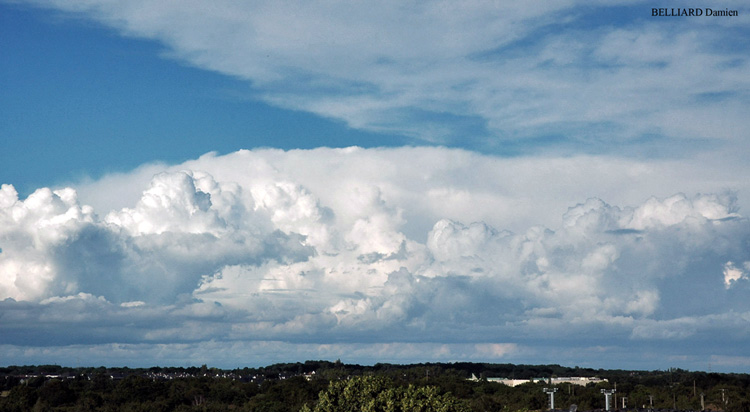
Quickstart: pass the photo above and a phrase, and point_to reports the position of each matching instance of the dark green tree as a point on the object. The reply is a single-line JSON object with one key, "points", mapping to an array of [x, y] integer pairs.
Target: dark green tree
{"points": [[379, 394], [56, 392], [21, 398]]}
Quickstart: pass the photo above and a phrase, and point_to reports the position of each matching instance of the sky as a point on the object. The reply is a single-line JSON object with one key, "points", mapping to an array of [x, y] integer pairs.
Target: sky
{"points": [[239, 183]]}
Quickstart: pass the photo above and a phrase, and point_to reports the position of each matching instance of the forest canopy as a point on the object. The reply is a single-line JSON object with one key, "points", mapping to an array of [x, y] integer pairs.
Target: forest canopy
{"points": [[322, 386]]}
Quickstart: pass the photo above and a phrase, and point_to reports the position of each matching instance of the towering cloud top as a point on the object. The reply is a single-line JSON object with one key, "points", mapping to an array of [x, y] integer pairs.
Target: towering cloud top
{"points": [[243, 247]]}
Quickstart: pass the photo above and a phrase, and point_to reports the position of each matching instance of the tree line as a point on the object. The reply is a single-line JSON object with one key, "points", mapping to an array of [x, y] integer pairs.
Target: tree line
{"points": [[339, 387]]}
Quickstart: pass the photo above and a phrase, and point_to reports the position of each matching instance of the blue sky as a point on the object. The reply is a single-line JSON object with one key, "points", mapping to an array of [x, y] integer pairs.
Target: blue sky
{"points": [[79, 100], [551, 183]]}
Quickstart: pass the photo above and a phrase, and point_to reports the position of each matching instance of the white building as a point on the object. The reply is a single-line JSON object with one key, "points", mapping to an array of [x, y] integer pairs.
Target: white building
{"points": [[581, 381]]}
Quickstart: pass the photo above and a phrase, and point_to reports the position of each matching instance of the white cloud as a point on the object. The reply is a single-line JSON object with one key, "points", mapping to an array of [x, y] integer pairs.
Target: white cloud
{"points": [[733, 274], [442, 72], [173, 203], [28, 230], [334, 245], [155, 251]]}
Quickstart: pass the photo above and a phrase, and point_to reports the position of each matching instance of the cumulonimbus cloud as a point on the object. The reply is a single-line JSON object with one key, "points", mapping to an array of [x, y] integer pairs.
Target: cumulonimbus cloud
{"points": [[247, 247]]}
